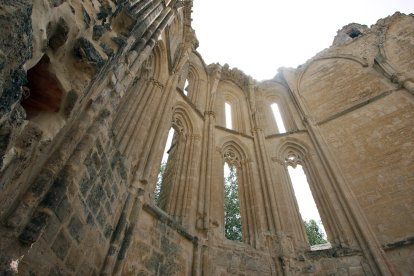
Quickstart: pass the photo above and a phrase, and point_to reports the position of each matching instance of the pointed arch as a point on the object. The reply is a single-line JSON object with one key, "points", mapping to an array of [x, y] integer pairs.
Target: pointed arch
{"points": [[230, 93], [293, 152], [196, 74], [362, 61], [183, 112], [292, 147], [347, 82], [278, 94], [235, 153], [160, 70], [177, 186], [237, 146]]}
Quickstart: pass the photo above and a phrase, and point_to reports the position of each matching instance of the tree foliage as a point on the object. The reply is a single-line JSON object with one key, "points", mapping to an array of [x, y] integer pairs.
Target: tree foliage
{"points": [[315, 234], [232, 218], [157, 190]]}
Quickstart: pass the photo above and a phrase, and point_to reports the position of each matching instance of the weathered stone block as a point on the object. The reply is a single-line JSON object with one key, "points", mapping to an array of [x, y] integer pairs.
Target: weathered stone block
{"points": [[56, 194], [56, 3], [153, 262], [167, 247], [95, 196], [98, 31], [90, 220], [12, 91], [63, 210], [104, 12], [34, 229], [108, 231], [119, 40], [69, 104], [86, 18], [85, 50], [101, 218], [75, 228], [85, 185], [53, 227], [61, 245], [74, 257], [60, 35], [107, 49], [115, 189], [96, 161], [57, 271]]}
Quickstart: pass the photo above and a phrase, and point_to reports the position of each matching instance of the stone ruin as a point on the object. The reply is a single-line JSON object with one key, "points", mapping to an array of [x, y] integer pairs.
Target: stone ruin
{"points": [[89, 92]]}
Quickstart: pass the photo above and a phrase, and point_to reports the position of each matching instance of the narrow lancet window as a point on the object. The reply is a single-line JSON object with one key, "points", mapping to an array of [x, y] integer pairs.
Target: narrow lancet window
{"points": [[278, 118], [232, 217], [158, 185], [309, 212], [227, 108], [186, 87]]}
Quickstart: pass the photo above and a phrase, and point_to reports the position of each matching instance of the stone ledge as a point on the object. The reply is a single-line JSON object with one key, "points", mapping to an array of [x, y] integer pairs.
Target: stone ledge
{"points": [[166, 219], [285, 133], [332, 253], [355, 107], [234, 131], [398, 244]]}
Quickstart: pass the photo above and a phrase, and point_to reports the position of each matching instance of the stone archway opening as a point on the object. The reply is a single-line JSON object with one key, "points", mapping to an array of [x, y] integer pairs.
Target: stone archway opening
{"points": [[232, 214], [309, 212], [42, 93]]}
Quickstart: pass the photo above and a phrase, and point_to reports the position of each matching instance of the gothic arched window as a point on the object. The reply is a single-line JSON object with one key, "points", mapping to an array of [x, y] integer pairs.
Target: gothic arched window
{"points": [[278, 118], [309, 212], [232, 216], [229, 120], [239, 199]]}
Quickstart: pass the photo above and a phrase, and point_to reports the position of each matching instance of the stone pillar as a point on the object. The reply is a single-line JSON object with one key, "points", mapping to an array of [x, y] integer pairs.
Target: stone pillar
{"points": [[208, 145]]}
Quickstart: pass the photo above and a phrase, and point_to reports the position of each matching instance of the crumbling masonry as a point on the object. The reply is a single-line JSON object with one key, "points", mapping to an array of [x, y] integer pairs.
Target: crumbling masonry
{"points": [[89, 91]]}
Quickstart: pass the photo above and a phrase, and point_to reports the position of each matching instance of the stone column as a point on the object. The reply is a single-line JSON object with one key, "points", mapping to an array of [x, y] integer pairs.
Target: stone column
{"points": [[208, 145]]}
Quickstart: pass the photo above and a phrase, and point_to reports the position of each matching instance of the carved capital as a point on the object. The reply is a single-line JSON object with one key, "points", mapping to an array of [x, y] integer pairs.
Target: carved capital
{"points": [[210, 113]]}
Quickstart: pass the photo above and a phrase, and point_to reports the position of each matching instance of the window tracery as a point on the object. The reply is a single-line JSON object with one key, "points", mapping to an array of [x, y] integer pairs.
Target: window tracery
{"points": [[231, 158], [305, 196], [177, 125], [293, 158]]}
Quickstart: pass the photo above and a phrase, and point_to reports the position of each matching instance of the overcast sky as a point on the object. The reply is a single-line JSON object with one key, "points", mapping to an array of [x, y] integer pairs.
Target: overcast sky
{"points": [[260, 36]]}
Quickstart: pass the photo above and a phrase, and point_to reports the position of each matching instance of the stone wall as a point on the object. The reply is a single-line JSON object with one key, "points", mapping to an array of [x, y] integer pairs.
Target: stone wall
{"points": [[86, 207], [159, 246], [89, 93]]}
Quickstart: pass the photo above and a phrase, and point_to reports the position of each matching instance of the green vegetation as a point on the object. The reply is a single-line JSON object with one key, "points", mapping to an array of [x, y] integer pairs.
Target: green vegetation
{"points": [[315, 234], [232, 219], [157, 190]]}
